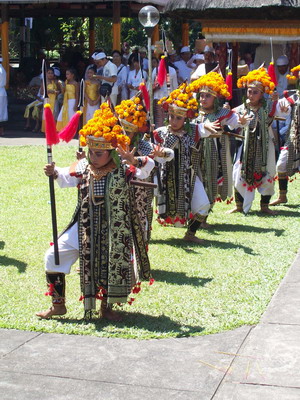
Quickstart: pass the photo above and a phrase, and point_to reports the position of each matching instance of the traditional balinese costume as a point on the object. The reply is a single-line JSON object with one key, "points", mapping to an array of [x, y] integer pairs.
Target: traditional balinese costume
{"points": [[105, 232], [255, 164], [215, 158], [51, 86], [92, 91], [35, 108], [289, 152], [67, 111], [182, 199]]}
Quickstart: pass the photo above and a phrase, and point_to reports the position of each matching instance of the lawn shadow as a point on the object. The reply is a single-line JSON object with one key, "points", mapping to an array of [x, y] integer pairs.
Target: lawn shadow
{"points": [[5, 261], [244, 228], [279, 213], [2, 244], [206, 243], [156, 324], [178, 278]]}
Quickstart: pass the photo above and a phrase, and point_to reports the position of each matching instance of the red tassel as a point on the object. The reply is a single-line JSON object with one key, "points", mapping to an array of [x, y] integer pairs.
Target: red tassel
{"points": [[145, 94], [229, 84], [272, 73], [152, 280], [69, 131], [162, 71], [50, 126]]}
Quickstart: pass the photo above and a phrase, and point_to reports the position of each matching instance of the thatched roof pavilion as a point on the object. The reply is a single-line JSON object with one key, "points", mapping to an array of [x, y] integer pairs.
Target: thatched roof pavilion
{"points": [[72, 8]]}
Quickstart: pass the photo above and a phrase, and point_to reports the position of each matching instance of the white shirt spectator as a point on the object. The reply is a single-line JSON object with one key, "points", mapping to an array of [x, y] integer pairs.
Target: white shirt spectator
{"points": [[163, 91], [121, 81], [134, 79], [109, 70], [184, 72]]}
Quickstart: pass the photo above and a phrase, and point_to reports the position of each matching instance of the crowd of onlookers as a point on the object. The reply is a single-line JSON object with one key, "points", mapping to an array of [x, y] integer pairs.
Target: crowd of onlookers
{"points": [[120, 74]]}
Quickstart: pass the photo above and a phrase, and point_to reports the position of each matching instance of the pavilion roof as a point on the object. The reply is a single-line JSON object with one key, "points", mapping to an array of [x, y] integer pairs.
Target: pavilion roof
{"points": [[234, 9]]}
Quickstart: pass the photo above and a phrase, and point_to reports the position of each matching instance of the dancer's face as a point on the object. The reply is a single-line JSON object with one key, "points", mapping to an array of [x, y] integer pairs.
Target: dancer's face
{"points": [[176, 122], [99, 158], [207, 101], [254, 96]]}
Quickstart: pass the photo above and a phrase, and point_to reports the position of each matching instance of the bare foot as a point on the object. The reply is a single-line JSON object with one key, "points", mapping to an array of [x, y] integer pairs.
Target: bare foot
{"points": [[192, 238], [266, 210], [111, 315], [58, 309], [235, 210], [278, 201], [205, 225]]}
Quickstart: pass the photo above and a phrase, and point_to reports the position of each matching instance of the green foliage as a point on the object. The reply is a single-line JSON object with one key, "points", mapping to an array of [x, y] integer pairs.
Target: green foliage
{"points": [[199, 289]]}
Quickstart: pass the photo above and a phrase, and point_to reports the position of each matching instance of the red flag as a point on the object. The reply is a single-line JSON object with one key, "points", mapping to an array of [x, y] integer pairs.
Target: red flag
{"points": [[50, 126], [272, 73], [69, 131], [162, 71], [145, 93], [229, 84]]}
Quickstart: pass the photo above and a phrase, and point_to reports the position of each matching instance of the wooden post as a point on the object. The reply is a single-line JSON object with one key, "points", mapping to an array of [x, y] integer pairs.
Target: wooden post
{"points": [[185, 34], [22, 38], [223, 58], [116, 25], [4, 40], [294, 56], [91, 35], [155, 34]]}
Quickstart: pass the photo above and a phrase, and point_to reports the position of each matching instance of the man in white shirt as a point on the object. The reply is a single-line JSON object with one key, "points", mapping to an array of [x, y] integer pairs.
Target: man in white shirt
{"points": [[184, 72], [109, 77], [282, 64], [121, 76], [209, 63]]}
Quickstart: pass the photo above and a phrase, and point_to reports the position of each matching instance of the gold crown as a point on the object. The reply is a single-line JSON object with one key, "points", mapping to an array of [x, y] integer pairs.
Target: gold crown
{"points": [[98, 143], [179, 111], [256, 85], [206, 89]]}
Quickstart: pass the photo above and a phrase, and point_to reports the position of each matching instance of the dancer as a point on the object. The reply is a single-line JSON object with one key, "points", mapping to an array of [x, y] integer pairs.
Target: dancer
{"points": [[255, 164], [104, 231]]}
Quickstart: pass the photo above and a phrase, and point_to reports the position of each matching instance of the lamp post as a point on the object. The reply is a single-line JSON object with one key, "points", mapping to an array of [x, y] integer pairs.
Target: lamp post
{"points": [[149, 18]]}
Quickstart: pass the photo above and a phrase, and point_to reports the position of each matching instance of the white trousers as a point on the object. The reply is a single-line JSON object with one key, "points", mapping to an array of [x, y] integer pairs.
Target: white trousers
{"points": [[68, 247]]}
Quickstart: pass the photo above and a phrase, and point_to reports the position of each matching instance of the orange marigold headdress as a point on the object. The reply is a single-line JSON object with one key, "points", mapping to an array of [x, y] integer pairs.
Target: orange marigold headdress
{"points": [[293, 76], [258, 78], [103, 131], [132, 115], [181, 102], [212, 83]]}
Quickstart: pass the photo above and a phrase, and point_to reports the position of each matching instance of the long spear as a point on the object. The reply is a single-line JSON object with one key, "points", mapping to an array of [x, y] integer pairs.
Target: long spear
{"points": [[51, 138], [80, 108]]}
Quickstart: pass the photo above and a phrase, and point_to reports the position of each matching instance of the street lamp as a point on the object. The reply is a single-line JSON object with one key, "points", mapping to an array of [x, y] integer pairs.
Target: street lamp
{"points": [[149, 18]]}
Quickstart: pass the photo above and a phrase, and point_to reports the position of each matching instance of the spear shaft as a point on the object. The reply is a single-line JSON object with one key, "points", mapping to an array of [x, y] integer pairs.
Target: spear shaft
{"points": [[51, 178]]}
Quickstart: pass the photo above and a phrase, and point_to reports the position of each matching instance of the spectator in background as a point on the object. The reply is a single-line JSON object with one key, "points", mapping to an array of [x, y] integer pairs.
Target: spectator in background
{"points": [[184, 72], [121, 76], [282, 64], [135, 77], [125, 53], [108, 78], [144, 59], [209, 63]]}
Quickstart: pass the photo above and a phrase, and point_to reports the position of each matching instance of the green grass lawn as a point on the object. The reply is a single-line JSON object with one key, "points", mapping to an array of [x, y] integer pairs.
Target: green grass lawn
{"points": [[221, 285]]}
